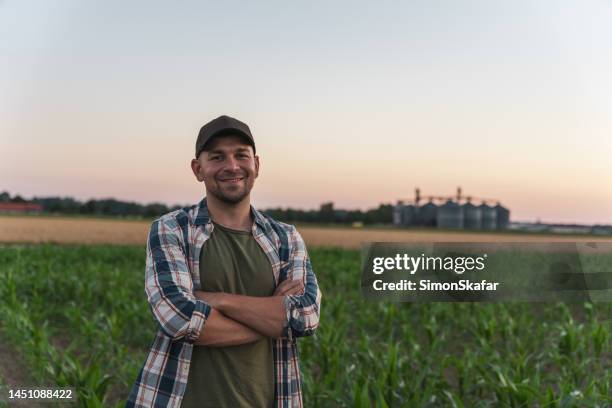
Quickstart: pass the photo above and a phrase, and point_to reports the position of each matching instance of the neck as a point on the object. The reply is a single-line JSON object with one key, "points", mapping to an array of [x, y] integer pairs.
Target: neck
{"points": [[235, 216]]}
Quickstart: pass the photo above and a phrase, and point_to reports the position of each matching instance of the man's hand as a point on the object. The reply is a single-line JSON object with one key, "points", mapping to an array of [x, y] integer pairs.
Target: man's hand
{"points": [[266, 315], [289, 287], [221, 331]]}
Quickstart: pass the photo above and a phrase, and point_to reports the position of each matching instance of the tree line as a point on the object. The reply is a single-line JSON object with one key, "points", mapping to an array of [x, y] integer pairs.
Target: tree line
{"points": [[326, 214]]}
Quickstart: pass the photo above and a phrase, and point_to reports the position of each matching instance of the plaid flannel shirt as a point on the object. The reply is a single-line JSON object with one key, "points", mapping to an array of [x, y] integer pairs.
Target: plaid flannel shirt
{"points": [[172, 275]]}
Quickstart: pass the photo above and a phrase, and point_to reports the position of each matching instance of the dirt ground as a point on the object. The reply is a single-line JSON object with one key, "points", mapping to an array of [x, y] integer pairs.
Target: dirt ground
{"points": [[14, 374], [15, 229]]}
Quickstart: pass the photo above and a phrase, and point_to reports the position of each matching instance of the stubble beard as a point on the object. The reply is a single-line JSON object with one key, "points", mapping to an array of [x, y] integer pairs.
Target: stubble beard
{"points": [[232, 197]]}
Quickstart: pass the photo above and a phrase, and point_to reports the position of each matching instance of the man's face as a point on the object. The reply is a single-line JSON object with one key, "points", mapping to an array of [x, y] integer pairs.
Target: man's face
{"points": [[228, 168]]}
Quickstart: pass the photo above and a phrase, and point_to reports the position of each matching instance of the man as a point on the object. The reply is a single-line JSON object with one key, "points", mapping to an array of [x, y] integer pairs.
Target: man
{"points": [[230, 288]]}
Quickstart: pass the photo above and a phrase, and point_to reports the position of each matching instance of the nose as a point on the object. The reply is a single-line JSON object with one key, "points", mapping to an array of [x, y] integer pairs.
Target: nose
{"points": [[232, 164]]}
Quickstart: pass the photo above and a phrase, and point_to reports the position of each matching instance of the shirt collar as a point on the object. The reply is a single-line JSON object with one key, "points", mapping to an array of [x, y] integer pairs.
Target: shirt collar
{"points": [[203, 217]]}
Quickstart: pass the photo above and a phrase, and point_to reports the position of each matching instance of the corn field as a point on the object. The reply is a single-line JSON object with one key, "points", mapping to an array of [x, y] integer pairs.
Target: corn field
{"points": [[78, 317]]}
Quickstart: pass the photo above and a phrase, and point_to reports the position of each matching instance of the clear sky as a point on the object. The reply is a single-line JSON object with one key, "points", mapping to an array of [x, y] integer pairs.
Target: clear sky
{"points": [[355, 102]]}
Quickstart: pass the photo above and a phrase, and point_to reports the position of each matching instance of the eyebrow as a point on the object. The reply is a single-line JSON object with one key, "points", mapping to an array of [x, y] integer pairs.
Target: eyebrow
{"points": [[238, 150]]}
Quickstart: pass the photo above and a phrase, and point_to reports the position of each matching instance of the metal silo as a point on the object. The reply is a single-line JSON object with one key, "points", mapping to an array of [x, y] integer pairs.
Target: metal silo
{"points": [[472, 216], [489, 216], [428, 214], [409, 215], [398, 213], [503, 216], [450, 215]]}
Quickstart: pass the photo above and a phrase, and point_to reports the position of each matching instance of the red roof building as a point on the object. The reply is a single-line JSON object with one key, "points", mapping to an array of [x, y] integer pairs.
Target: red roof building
{"points": [[20, 208]]}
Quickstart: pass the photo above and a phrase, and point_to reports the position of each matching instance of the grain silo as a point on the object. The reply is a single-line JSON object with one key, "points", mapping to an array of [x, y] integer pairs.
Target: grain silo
{"points": [[458, 211], [404, 214], [428, 214], [397, 213], [503, 216], [489, 216], [409, 215], [472, 216], [450, 215]]}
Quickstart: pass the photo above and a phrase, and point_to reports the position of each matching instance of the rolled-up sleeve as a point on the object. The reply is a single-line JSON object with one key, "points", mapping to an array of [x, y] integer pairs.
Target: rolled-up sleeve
{"points": [[168, 284], [302, 310]]}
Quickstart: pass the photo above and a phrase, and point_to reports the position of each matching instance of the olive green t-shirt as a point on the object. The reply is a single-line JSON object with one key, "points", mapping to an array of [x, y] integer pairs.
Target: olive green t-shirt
{"points": [[232, 261]]}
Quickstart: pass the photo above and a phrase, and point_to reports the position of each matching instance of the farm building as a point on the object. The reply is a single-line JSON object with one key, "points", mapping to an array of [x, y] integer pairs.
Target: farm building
{"points": [[20, 208], [457, 212]]}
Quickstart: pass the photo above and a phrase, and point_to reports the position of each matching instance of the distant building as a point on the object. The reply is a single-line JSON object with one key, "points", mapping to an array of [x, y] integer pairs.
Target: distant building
{"points": [[427, 215], [489, 216], [472, 216], [561, 228], [20, 208], [450, 215], [456, 212], [404, 214], [602, 230], [570, 229]]}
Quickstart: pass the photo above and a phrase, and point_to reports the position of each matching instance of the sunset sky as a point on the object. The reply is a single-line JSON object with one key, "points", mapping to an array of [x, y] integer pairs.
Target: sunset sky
{"points": [[355, 102]]}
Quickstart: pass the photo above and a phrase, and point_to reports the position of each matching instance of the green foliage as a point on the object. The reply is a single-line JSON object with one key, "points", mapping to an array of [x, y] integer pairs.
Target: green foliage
{"points": [[327, 214], [79, 316]]}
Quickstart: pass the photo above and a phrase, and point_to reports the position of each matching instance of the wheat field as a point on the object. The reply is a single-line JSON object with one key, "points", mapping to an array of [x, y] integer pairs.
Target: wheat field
{"points": [[75, 230]]}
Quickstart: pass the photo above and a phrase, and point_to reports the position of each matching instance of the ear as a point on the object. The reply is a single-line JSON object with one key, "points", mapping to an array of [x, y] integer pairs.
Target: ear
{"points": [[256, 166], [196, 167]]}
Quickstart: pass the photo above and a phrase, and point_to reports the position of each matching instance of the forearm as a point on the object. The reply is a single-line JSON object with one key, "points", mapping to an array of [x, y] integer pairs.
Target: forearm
{"points": [[266, 315], [221, 331]]}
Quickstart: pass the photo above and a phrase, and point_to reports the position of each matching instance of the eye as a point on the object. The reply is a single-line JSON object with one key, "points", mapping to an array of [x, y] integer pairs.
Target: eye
{"points": [[216, 158]]}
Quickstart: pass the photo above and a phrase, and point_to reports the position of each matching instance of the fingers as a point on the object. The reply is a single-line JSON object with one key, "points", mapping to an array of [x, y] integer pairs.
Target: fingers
{"points": [[286, 285], [298, 290], [281, 289], [289, 287]]}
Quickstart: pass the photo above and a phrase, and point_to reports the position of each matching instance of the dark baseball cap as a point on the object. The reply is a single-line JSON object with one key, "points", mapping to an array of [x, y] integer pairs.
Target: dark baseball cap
{"points": [[223, 125]]}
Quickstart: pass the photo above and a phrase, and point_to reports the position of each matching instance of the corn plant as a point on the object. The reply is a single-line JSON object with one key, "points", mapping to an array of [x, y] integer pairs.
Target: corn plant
{"points": [[79, 317]]}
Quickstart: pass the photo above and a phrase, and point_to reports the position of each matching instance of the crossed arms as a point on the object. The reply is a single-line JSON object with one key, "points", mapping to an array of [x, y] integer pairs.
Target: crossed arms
{"points": [[237, 319], [221, 319]]}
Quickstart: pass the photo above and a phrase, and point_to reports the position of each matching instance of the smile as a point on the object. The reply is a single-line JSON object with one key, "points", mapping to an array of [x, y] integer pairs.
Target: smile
{"points": [[232, 180]]}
